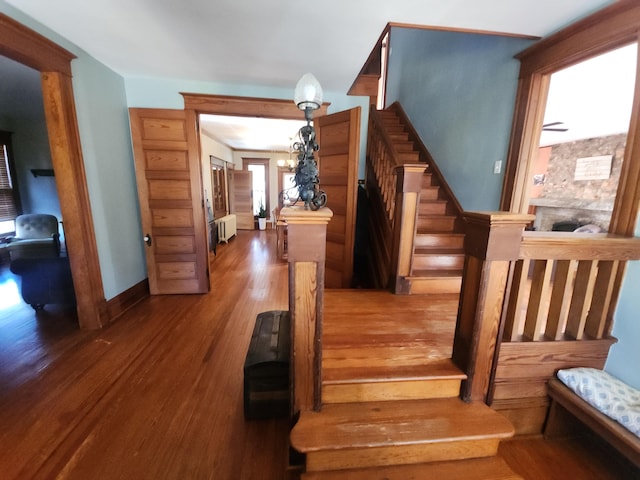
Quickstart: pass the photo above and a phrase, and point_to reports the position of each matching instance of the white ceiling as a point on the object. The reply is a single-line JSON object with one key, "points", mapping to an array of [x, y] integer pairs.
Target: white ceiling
{"points": [[271, 43], [252, 133]]}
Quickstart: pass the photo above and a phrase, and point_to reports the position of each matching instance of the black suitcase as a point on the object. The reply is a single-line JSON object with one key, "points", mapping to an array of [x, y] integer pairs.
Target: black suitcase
{"points": [[266, 367]]}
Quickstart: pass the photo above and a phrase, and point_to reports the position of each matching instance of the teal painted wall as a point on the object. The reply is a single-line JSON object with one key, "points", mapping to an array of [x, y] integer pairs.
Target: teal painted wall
{"points": [[459, 90]]}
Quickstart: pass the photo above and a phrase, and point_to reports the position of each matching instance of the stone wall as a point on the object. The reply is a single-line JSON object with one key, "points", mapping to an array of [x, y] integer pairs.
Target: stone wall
{"points": [[583, 201]]}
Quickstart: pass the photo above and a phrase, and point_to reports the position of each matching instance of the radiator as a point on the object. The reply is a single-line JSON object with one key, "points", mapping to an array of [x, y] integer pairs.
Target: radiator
{"points": [[226, 227]]}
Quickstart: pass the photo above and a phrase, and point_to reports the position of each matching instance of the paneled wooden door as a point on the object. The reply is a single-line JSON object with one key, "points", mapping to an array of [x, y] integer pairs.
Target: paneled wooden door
{"points": [[241, 187], [339, 139], [165, 147]]}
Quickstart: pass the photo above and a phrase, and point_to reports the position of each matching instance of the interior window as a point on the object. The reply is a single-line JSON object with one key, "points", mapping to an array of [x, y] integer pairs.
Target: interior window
{"points": [[9, 199], [574, 179]]}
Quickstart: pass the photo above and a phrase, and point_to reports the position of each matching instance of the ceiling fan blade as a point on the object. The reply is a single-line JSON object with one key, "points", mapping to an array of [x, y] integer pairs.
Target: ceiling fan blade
{"points": [[546, 126]]}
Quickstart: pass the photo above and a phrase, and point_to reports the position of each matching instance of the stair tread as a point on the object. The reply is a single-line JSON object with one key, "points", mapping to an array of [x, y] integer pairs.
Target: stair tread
{"points": [[488, 468], [407, 422], [443, 369]]}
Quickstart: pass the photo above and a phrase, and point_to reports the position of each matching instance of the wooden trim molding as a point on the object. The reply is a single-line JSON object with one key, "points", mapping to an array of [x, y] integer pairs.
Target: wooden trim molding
{"points": [[127, 299], [246, 106], [30, 48]]}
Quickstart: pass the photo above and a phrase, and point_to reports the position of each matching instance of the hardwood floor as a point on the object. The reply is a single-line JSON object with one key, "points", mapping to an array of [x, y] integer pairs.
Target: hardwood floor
{"points": [[158, 394]]}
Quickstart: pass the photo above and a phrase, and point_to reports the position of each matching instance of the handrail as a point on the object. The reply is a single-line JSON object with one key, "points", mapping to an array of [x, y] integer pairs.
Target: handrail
{"points": [[578, 246]]}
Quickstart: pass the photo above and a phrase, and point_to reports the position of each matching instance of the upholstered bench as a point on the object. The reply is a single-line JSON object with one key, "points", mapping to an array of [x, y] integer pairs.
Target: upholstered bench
{"points": [[601, 402]]}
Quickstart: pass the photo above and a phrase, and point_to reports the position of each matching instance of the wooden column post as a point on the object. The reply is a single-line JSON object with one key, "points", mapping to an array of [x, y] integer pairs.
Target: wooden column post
{"points": [[408, 186], [492, 241], [306, 246]]}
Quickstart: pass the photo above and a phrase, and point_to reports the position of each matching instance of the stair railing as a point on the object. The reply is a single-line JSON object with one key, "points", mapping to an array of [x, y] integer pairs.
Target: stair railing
{"points": [[394, 188], [532, 287], [383, 160]]}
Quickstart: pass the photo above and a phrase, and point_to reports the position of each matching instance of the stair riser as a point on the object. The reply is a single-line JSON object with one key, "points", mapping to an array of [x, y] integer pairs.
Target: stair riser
{"points": [[421, 286], [409, 157], [488, 468], [403, 146], [379, 356], [400, 455], [429, 193], [399, 137], [390, 391], [439, 224], [428, 180], [433, 208], [439, 241], [438, 262]]}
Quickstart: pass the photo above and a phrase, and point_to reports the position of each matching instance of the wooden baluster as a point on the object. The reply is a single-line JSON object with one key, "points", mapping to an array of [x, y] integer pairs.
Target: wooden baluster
{"points": [[306, 237], [581, 300], [538, 299], [408, 186], [514, 321], [561, 295], [596, 326], [492, 242]]}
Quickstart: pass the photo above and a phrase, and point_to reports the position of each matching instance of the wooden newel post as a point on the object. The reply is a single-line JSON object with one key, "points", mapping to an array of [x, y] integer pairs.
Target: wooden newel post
{"points": [[306, 247], [492, 242], [409, 183]]}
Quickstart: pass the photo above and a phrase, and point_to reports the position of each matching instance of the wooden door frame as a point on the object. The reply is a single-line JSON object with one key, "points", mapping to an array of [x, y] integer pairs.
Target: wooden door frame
{"points": [[25, 46], [606, 30], [246, 106]]}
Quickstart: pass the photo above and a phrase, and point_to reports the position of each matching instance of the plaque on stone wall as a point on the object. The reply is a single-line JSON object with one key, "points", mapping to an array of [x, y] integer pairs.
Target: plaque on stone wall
{"points": [[593, 168]]}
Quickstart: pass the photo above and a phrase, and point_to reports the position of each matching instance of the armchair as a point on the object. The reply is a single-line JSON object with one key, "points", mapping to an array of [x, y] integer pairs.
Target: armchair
{"points": [[37, 236]]}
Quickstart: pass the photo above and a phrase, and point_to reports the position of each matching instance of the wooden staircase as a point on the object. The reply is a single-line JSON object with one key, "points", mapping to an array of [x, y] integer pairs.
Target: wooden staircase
{"points": [[391, 406], [438, 255]]}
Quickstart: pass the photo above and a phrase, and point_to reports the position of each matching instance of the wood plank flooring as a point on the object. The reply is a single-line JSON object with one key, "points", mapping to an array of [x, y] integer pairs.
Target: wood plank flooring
{"points": [[158, 394]]}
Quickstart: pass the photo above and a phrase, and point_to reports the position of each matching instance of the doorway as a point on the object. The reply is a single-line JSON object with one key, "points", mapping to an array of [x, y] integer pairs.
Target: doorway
{"points": [[54, 64], [259, 167]]}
